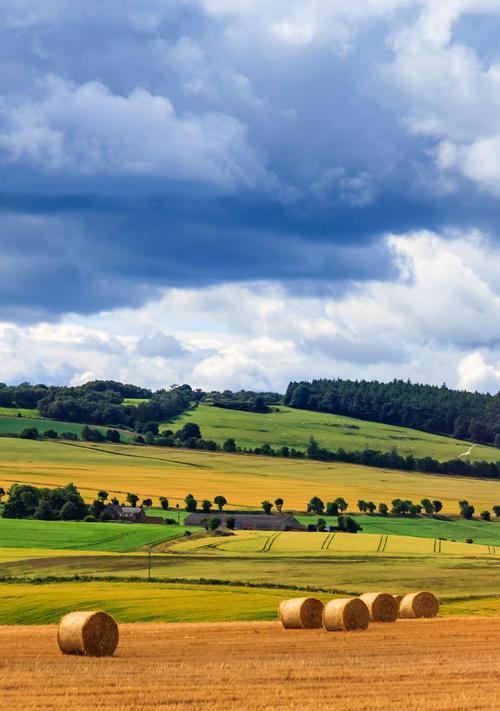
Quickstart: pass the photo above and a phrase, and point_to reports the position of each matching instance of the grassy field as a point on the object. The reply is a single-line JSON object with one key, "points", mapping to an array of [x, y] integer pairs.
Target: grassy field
{"points": [[15, 425], [220, 667], [13, 411], [71, 535], [293, 428], [244, 480]]}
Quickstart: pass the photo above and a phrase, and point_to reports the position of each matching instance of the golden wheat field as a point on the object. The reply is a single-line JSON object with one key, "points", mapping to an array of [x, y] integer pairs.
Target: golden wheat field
{"points": [[447, 664]]}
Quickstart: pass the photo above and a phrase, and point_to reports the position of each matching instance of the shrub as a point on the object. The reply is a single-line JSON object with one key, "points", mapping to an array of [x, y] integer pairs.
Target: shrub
{"points": [[72, 436], [29, 433], [105, 516], [485, 515], [231, 523], [50, 434], [469, 540], [69, 512], [90, 519]]}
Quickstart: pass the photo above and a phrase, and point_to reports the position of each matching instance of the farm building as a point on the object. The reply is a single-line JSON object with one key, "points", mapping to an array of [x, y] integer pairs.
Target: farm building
{"points": [[249, 522], [131, 514]]}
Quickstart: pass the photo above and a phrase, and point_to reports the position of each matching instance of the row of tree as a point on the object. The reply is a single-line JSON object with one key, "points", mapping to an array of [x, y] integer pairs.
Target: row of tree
{"points": [[473, 416]]}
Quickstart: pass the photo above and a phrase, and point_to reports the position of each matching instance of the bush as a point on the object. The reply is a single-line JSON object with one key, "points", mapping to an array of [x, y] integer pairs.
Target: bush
{"points": [[69, 512], [29, 433], [469, 540], [485, 515], [72, 436], [50, 434], [90, 519]]}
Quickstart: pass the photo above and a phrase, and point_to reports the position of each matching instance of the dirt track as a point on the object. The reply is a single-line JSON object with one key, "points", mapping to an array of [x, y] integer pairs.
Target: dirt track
{"points": [[448, 664]]}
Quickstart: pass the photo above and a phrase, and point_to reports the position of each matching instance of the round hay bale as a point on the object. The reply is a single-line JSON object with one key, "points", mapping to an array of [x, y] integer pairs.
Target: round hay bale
{"points": [[346, 614], [94, 634], [419, 604], [382, 607], [398, 599], [301, 613]]}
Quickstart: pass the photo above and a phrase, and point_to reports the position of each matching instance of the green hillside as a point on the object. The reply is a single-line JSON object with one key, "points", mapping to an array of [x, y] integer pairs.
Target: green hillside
{"points": [[293, 428]]}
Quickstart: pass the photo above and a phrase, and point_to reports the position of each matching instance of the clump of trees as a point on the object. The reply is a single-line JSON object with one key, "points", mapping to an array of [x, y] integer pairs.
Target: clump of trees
{"points": [[27, 501]]}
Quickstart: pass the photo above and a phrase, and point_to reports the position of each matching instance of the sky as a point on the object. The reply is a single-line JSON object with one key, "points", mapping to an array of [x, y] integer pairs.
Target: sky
{"points": [[240, 194]]}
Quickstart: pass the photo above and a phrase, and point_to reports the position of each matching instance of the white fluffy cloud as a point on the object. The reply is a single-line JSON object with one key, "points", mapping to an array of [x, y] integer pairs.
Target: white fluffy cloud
{"points": [[88, 129], [449, 92], [439, 320]]}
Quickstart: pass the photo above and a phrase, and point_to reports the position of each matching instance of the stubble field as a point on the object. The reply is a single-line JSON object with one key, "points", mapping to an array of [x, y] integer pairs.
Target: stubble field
{"points": [[418, 665]]}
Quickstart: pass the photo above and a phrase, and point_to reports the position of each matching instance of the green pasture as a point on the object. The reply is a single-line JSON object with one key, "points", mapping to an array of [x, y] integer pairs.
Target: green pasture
{"points": [[486, 532], [14, 411], [293, 428], [76, 535]]}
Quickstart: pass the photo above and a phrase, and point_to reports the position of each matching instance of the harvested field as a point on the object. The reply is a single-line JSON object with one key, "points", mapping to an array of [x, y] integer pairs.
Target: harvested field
{"points": [[444, 664]]}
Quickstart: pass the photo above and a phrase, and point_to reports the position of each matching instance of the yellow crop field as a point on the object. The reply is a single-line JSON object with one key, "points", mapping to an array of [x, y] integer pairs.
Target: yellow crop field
{"points": [[245, 481], [292, 543]]}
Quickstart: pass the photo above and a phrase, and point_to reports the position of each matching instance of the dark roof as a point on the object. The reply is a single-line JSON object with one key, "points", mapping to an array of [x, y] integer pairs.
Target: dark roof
{"points": [[126, 512], [263, 522]]}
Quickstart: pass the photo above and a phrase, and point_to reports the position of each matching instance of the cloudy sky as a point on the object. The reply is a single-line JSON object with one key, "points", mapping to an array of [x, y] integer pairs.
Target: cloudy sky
{"points": [[237, 194]]}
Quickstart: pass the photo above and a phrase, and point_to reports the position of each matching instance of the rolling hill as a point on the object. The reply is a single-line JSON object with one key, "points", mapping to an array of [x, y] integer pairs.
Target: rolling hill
{"points": [[293, 428]]}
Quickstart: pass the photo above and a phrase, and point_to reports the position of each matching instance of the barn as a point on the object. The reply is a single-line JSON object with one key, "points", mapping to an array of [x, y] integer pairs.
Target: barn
{"points": [[249, 522]]}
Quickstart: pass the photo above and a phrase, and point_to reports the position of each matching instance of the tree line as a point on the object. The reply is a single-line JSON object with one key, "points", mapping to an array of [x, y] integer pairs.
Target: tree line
{"points": [[440, 410]]}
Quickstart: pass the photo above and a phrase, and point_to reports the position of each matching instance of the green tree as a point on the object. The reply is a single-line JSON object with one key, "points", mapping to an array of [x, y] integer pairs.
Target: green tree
{"points": [[348, 524], [29, 433], [69, 512], [230, 522], [383, 509], [312, 449], [206, 505], [2, 494], [321, 524], [50, 434], [332, 508], [229, 445], [485, 515], [428, 506], [191, 503], [212, 523], [113, 436], [362, 505], [149, 438], [370, 507], [438, 505], [132, 499], [496, 510], [279, 504], [102, 495], [164, 503], [147, 502], [189, 430], [316, 505], [220, 502], [341, 503], [267, 506]]}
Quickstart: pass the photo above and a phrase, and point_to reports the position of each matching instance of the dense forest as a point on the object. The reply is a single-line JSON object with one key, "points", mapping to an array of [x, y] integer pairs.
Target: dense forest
{"points": [[440, 410], [100, 402]]}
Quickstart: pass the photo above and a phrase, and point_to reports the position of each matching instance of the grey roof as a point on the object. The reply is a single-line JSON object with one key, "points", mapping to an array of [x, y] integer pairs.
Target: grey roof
{"points": [[251, 521]]}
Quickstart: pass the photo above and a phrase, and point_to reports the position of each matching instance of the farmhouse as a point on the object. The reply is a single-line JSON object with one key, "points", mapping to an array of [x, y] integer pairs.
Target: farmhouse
{"points": [[131, 514], [249, 522]]}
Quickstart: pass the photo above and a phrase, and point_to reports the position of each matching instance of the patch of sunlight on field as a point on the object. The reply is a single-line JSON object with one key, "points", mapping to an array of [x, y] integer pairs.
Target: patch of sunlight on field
{"points": [[245, 481], [325, 544], [134, 602]]}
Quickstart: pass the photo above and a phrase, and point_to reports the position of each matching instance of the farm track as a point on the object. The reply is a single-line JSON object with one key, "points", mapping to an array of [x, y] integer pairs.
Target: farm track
{"points": [[420, 665]]}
